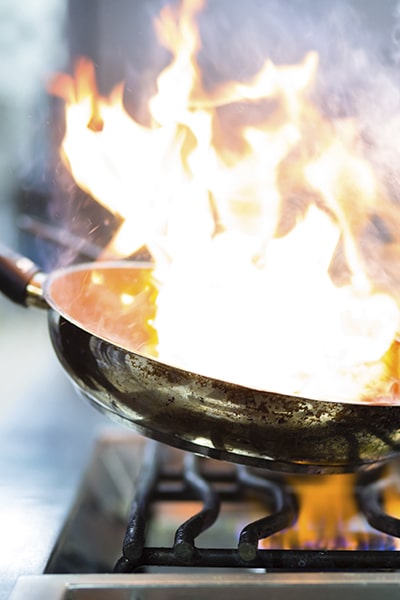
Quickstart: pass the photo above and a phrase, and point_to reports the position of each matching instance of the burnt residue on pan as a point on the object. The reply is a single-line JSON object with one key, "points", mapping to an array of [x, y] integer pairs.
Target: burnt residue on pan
{"points": [[222, 419]]}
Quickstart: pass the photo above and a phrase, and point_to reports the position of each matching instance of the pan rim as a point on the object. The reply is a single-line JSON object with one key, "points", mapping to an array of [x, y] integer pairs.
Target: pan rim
{"points": [[147, 265]]}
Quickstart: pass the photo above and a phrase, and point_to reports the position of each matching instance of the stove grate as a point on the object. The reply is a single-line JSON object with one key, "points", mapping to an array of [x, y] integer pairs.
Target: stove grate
{"points": [[156, 483]]}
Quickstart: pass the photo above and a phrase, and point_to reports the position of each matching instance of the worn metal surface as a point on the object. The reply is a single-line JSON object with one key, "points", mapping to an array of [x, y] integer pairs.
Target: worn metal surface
{"points": [[228, 586], [201, 414]]}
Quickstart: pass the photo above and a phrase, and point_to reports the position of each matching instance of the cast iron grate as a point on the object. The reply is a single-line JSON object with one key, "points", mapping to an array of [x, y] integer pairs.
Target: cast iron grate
{"points": [[157, 483]]}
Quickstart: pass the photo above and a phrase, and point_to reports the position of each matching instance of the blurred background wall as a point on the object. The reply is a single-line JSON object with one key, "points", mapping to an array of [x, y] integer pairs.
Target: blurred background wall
{"points": [[32, 45]]}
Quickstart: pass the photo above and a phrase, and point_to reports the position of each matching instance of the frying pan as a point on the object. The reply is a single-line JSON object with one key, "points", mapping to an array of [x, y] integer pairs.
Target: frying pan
{"points": [[92, 308]]}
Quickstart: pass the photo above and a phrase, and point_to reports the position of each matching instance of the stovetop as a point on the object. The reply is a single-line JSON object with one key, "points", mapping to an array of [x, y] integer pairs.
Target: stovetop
{"points": [[145, 506], [89, 545]]}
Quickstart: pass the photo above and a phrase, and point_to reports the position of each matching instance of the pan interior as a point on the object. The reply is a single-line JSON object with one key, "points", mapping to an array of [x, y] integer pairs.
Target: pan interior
{"points": [[115, 302]]}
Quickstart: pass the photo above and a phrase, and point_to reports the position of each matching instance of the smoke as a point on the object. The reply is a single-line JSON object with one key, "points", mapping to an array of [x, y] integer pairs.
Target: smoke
{"points": [[358, 43], [237, 37]]}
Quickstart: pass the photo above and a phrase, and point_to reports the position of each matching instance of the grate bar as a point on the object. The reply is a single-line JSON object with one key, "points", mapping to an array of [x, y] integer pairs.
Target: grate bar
{"points": [[184, 544], [369, 498], [283, 512], [280, 560], [134, 540]]}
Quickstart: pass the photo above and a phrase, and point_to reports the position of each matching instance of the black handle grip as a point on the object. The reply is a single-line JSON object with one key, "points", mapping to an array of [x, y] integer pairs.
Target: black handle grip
{"points": [[16, 271]]}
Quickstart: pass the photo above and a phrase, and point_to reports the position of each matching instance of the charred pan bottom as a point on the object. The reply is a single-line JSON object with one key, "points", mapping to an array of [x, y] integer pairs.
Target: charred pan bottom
{"points": [[224, 420]]}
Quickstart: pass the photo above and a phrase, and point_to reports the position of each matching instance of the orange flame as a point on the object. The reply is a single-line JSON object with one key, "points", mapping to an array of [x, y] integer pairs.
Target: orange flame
{"points": [[329, 516], [256, 209]]}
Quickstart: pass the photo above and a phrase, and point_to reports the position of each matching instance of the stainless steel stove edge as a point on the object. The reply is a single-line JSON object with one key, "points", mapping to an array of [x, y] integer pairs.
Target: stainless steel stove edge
{"points": [[197, 586]]}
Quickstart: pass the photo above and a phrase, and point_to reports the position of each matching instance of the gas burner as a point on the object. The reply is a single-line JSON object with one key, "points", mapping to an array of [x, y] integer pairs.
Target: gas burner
{"points": [[191, 512]]}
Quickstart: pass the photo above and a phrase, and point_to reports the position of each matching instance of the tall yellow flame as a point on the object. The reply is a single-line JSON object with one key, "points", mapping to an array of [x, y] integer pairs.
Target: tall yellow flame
{"points": [[255, 208]]}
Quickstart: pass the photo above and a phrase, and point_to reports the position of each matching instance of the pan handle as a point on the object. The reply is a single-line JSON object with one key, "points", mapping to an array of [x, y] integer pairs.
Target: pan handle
{"points": [[16, 274]]}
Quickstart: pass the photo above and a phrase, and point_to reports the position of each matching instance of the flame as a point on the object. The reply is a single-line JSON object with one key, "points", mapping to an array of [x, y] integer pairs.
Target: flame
{"points": [[329, 516], [391, 492], [256, 209]]}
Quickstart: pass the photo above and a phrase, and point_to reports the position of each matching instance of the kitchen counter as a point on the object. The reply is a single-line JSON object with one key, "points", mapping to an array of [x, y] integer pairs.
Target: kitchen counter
{"points": [[46, 438]]}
